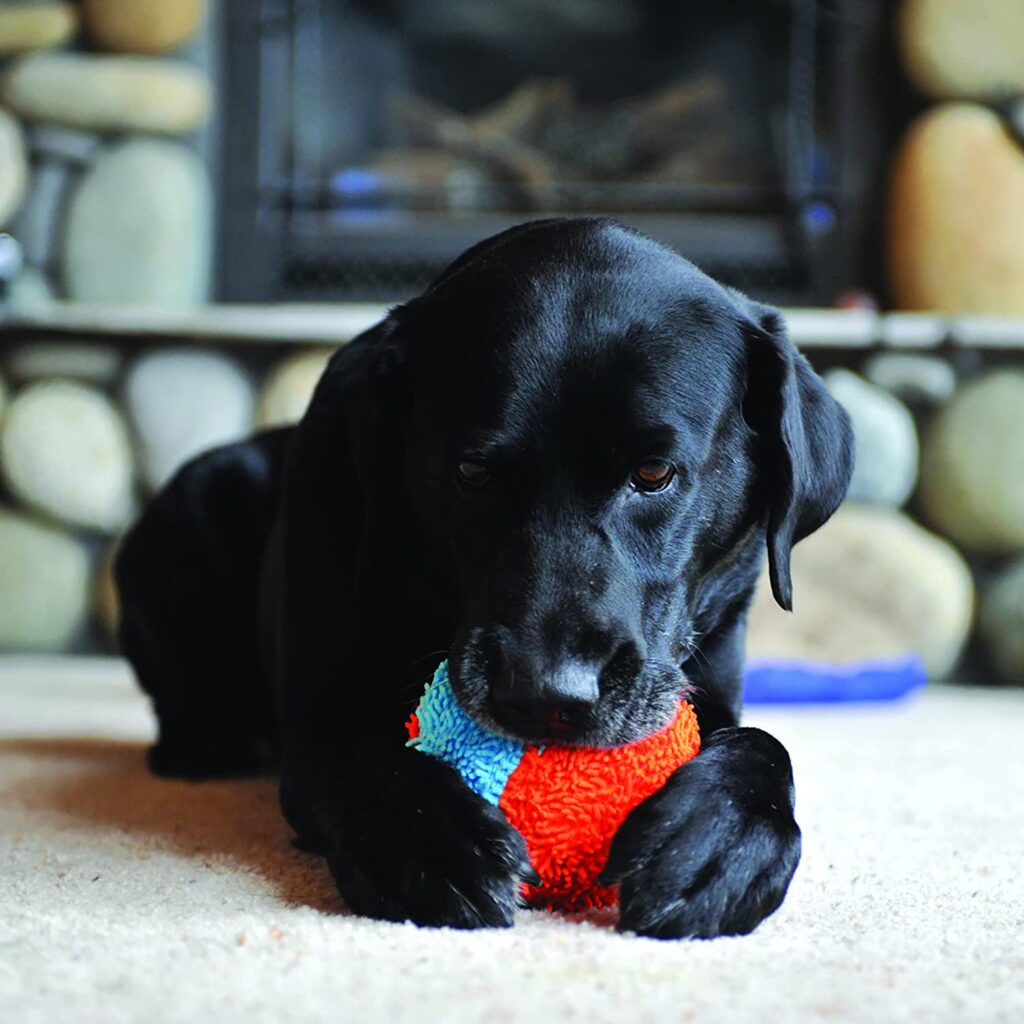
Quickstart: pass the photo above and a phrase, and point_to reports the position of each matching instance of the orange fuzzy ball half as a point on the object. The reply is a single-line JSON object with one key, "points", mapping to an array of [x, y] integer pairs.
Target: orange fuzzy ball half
{"points": [[567, 802]]}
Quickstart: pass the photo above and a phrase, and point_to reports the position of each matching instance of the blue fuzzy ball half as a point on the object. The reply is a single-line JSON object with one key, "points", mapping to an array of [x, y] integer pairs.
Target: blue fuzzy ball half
{"points": [[485, 761]]}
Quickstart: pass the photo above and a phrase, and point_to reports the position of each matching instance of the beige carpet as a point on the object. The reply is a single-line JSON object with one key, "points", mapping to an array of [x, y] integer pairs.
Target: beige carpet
{"points": [[123, 898]]}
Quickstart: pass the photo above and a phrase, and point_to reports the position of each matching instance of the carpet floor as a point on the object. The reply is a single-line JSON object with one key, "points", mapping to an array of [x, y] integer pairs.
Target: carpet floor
{"points": [[125, 898]]}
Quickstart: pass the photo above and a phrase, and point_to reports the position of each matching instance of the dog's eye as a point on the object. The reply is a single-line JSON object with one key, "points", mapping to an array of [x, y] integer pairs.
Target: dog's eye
{"points": [[653, 475], [473, 474]]}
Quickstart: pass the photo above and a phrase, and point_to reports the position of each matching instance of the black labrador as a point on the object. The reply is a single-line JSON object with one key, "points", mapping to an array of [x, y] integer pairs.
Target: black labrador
{"points": [[559, 466]]}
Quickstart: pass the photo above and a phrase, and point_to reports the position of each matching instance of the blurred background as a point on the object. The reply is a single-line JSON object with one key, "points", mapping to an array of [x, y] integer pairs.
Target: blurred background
{"points": [[201, 199]]}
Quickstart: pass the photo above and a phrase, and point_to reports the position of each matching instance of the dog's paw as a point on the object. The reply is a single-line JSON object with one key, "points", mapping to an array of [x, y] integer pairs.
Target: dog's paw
{"points": [[416, 844], [713, 852]]}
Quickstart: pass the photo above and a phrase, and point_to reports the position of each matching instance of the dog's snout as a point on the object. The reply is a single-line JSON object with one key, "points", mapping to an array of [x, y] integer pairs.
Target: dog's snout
{"points": [[535, 701]]}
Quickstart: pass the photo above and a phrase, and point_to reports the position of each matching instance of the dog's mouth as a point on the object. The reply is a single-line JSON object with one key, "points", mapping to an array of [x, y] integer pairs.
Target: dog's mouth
{"points": [[563, 726], [618, 720]]}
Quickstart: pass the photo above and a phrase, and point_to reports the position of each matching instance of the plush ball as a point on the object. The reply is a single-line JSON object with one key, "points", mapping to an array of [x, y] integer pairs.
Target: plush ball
{"points": [[567, 802]]}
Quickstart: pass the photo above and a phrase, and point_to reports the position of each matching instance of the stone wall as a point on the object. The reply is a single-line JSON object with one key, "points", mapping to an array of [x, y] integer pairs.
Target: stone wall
{"points": [[105, 182], [88, 430], [103, 179]]}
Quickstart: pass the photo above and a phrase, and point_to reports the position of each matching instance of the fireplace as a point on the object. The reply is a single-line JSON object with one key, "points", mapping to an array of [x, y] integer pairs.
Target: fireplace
{"points": [[368, 142]]}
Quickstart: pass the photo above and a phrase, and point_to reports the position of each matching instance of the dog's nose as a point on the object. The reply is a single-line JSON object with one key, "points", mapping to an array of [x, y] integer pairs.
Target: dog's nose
{"points": [[550, 702]]}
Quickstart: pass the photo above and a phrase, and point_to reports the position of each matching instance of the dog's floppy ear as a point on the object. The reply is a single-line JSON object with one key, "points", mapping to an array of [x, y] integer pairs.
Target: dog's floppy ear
{"points": [[804, 441], [359, 412]]}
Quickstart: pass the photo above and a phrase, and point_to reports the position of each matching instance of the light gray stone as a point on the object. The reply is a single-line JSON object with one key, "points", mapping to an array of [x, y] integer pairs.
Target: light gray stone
{"points": [[139, 228], [13, 167], [869, 584], [34, 360], [1001, 623], [108, 94], [49, 142], [972, 465], [289, 387], [65, 452], [44, 585], [30, 292], [885, 467], [12, 259], [37, 224], [917, 379], [181, 402]]}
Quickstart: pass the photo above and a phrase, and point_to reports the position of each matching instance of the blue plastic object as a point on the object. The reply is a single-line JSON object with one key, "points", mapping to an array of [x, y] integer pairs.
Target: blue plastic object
{"points": [[772, 681]]}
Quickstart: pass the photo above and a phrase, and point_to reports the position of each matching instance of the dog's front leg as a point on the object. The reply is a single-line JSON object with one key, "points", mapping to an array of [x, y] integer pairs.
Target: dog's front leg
{"points": [[405, 838], [713, 851]]}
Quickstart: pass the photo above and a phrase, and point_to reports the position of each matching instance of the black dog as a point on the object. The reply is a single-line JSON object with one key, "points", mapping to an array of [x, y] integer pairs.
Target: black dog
{"points": [[558, 466]]}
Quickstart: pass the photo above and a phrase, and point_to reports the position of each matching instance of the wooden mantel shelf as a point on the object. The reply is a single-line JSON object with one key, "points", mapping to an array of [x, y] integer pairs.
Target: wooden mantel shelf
{"points": [[336, 323]]}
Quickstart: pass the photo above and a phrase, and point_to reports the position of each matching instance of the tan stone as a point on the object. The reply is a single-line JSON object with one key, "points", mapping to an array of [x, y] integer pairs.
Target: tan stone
{"points": [[869, 584], [956, 214], [963, 48], [25, 27], [141, 26], [104, 93], [13, 167], [972, 465], [289, 387], [106, 603]]}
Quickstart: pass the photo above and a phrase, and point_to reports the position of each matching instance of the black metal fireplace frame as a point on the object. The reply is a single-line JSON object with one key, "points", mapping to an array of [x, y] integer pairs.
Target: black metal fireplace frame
{"points": [[277, 240]]}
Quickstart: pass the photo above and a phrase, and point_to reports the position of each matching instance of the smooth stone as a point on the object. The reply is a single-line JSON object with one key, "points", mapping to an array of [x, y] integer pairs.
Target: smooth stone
{"points": [[139, 228], [1015, 117], [181, 402], [141, 26], [972, 465], [289, 387], [106, 603], [955, 48], [44, 585], [12, 262], [35, 26], [65, 452], [869, 584], [956, 206], [13, 167], [1001, 623], [31, 292], [109, 94], [94, 364], [886, 449], [919, 380], [38, 222], [50, 142]]}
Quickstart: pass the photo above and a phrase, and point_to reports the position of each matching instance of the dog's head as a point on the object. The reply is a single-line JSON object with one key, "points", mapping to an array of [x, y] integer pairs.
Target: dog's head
{"points": [[599, 440]]}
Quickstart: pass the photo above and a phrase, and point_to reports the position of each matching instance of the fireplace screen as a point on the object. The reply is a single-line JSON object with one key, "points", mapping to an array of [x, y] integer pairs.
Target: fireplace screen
{"points": [[370, 141]]}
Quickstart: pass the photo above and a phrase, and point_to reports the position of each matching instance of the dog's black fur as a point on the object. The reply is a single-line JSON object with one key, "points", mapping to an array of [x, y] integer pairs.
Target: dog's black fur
{"points": [[473, 478]]}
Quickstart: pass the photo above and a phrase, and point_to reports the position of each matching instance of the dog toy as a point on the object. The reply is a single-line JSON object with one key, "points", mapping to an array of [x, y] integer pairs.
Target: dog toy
{"points": [[567, 802], [783, 681]]}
